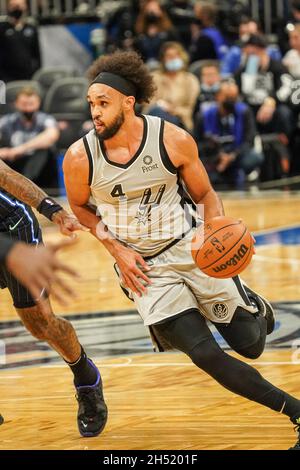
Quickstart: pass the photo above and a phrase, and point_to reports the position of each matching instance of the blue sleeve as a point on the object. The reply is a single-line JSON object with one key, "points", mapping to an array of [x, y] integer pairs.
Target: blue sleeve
{"points": [[231, 61], [274, 52]]}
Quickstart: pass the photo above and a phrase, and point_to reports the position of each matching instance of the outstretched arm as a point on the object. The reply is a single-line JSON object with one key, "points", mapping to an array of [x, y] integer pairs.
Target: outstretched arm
{"points": [[26, 191], [20, 187]]}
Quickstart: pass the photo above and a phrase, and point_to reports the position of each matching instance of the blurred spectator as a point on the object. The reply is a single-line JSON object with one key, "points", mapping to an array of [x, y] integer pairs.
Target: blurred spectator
{"points": [[233, 58], [225, 132], [120, 25], [181, 13], [153, 28], [266, 86], [207, 41], [177, 89], [230, 15], [292, 61], [285, 26], [27, 135], [210, 80], [19, 45], [292, 58]]}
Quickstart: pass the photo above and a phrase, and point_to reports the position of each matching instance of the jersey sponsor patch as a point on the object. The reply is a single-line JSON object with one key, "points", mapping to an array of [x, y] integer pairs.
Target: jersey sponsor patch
{"points": [[148, 160]]}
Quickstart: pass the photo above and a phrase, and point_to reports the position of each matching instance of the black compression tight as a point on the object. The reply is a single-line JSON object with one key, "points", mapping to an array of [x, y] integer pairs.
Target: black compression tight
{"points": [[190, 334]]}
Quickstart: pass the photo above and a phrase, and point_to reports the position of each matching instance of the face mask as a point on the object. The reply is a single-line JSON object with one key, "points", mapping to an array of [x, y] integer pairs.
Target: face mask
{"points": [[252, 64], [28, 115], [174, 65], [229, 106], [197, 22], [244, 37], [152, 18], [210, 88], [16, 13]]}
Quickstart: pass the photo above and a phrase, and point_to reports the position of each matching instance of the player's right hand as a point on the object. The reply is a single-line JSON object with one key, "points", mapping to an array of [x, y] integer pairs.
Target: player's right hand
{"points": [[37, 269], [133, 276]]}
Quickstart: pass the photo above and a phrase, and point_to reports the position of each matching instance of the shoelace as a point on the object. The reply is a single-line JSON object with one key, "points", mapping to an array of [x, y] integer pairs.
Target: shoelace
{"points": [[88, 398]]}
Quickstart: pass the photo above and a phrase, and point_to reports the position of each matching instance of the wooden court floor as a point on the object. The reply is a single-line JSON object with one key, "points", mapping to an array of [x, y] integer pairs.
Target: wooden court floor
{"points": [[158, 401]]}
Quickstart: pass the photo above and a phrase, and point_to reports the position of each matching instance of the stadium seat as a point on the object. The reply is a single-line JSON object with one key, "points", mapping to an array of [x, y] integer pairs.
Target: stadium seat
{"points": [[49, 75], [67, 96], [12, 89]]}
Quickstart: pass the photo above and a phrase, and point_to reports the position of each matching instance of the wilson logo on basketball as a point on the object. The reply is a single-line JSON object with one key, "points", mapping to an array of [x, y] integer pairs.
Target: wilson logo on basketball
{"points": [[234, 260], [223, 247]]}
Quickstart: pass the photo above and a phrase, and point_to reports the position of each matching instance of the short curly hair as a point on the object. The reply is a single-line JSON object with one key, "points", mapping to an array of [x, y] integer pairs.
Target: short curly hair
{"points": [[130, 66]]}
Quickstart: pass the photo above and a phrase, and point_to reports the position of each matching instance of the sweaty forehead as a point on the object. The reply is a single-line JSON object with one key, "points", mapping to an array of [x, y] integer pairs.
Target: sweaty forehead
{"points": [[99, 90]]}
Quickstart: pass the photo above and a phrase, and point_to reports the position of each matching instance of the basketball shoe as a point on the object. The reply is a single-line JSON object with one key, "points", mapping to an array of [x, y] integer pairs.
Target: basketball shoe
{"points": [[264, 307], [92, 410], [297, 429]]}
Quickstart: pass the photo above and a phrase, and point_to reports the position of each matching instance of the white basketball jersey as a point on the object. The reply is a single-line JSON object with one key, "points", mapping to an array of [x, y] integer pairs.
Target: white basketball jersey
{"points": [[142, 202]]}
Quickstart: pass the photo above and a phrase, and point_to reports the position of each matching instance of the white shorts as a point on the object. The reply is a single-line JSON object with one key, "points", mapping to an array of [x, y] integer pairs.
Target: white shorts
{"points": [[179, 285]]}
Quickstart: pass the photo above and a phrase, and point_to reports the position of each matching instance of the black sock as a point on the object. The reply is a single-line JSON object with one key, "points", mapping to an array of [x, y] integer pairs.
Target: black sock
{"points": [[84, 372]]}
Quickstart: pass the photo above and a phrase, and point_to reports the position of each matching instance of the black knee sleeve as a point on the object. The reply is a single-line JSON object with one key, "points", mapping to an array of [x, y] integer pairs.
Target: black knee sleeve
{"points": [[253, 351], [245, 334]]}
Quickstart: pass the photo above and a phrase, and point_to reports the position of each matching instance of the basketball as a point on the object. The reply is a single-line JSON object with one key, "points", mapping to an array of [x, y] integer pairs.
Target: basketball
{"points": [[222, 247]]}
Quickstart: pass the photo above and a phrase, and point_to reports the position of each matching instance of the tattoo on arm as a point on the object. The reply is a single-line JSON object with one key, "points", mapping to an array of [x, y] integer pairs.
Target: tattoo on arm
{"points": [[20, 187]]}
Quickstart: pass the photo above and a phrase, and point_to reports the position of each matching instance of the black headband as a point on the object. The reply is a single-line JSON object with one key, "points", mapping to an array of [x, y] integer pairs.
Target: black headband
{"points": [[115, 81]]}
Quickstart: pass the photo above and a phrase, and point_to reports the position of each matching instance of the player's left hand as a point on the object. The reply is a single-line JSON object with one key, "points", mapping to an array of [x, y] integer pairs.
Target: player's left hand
{"points": [[68, 223]]}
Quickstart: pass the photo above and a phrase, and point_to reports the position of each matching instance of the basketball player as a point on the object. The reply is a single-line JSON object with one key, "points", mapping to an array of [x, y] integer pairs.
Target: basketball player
{"points": [[19, 223], [133, 168], [32, 266]]}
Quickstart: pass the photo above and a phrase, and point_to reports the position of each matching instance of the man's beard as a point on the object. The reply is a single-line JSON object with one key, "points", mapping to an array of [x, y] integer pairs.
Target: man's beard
{"points": [[112, 129]]}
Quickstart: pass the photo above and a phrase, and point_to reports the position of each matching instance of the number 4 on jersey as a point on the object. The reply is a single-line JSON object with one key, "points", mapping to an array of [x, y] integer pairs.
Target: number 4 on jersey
{"points": [[117, 191]]}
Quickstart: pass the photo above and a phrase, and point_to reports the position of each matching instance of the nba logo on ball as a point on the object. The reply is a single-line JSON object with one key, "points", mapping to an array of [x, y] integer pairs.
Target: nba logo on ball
{"points": [[222, 247]]}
